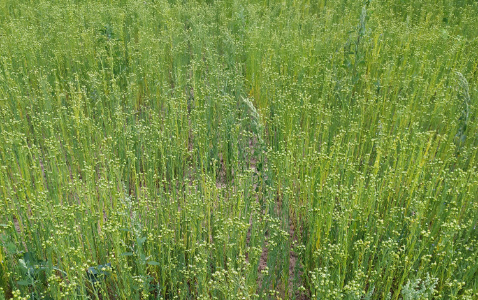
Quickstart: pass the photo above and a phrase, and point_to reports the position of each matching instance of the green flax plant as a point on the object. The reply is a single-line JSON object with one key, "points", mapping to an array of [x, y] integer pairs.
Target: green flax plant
{"points": [[238, 149]]}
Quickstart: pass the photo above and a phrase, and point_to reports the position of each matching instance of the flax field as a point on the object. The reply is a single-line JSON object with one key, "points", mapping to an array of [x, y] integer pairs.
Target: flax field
{"points": [[238, 149]]}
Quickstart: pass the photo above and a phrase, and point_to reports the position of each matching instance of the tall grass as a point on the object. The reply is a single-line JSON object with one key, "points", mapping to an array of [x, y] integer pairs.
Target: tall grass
{"points": [[238, 149]]}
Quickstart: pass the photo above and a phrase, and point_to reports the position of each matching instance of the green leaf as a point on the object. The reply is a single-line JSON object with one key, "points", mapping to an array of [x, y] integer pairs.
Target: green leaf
{"points": [[94, 274], [11, 248], [153, 263], [141, 241], [24, 282], [29, 258], [127, 254]]}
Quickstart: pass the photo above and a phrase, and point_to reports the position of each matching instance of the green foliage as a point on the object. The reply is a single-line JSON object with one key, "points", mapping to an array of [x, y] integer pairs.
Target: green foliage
{"points": [[419, 289], [223, 149]]}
